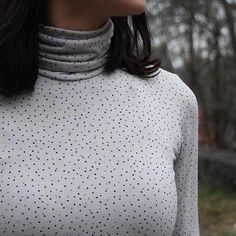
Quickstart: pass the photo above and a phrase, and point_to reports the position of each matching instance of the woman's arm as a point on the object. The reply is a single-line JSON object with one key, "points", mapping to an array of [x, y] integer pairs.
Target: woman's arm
{"points": [[186, 170]]}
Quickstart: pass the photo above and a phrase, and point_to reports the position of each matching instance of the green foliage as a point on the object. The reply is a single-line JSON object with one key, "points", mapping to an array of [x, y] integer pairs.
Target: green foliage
{"points": [[217, 208]]}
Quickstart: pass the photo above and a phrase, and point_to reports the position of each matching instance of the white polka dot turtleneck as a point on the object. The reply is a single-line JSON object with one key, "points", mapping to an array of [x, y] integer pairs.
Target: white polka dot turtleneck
{"points": [[89, 153], [71, 55]]}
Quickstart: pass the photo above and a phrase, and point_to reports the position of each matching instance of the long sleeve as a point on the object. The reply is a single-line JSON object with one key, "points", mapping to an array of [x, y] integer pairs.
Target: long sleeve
{"points": [[186, 170]]}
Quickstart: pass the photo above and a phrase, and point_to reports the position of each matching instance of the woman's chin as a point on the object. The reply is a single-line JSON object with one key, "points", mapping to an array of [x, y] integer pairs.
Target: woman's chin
{"points": [[138, 6], [130, 7]]}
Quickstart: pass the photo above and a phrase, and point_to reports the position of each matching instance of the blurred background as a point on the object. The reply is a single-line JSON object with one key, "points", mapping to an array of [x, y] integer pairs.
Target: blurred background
{"points": [[197, 40]]}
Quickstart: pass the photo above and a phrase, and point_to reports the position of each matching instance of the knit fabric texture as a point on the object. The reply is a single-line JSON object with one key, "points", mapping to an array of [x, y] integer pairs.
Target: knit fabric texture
{"points": [[72, 55]]}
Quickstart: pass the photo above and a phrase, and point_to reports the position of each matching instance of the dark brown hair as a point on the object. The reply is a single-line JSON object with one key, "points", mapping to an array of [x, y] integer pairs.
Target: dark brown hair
{"points": [[19, 45]]}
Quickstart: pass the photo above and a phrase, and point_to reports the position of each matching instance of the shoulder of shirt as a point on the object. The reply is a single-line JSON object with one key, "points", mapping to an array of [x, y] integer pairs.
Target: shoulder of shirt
{"points": [[178, 88], [171, 84]]}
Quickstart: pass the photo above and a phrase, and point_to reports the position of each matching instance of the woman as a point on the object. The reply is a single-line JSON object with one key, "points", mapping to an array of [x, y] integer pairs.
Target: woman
{"points": [[95, 138]]}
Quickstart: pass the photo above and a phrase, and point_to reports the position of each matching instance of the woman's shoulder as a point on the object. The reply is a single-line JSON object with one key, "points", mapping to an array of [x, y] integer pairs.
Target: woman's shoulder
{"points": [[176, 86], [162, 81]]}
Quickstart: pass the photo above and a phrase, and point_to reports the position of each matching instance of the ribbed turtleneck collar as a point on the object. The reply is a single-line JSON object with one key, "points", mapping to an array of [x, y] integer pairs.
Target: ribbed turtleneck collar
{"points": [[73, 55]]}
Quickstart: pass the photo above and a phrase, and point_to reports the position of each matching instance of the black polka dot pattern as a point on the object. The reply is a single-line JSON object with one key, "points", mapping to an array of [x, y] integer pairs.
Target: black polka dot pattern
{"points": [[73, 55], [109, 155]]}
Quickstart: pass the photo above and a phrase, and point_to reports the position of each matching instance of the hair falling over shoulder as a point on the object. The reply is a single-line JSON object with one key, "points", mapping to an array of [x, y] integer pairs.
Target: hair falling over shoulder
{"points": [[19, 45]]}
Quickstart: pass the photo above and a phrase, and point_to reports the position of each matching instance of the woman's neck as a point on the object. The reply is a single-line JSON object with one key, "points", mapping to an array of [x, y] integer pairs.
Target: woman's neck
{"points": [[72, 54], [73, 15]]}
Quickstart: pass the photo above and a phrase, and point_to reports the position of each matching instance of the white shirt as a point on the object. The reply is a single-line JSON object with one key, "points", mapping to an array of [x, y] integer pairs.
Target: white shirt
{"points": [[89, 153]]}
